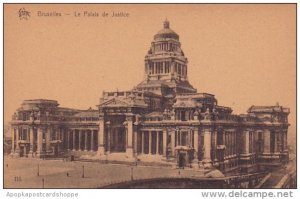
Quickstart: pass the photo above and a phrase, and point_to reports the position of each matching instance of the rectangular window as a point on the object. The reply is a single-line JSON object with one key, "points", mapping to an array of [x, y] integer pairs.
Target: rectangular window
{"points": [[24, 116], [53, 135], [219, 138], [24, 134], [146, 142], [44, 135], [152, 68], [184, 138]]}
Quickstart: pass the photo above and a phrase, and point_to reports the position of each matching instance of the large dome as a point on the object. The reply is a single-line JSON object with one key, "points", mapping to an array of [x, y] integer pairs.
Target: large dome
{"points": [[166, 32]]}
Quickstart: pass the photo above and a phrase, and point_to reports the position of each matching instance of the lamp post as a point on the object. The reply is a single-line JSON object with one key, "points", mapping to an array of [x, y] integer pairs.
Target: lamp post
{"points": [[131, 173], [82, 171]]}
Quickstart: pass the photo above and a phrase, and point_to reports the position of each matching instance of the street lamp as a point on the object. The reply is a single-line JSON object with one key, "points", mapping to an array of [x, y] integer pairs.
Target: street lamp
{"points": [[131, 173]]}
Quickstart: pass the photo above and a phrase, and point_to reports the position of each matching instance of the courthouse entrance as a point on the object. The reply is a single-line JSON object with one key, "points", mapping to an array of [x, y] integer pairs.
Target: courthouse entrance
{"points": [[184, 156], [118, 139]]}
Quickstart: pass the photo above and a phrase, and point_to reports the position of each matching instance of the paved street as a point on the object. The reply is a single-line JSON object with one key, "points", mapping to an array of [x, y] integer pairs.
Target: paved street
{"points": [[22, 173]]}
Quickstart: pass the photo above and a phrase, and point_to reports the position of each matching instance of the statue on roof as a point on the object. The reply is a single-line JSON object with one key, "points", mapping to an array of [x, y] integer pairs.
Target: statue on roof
{"points": [[215, 113], [207, 115]]}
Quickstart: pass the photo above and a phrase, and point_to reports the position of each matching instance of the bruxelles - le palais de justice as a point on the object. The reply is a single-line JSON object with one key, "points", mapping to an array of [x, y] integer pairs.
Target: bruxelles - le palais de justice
{"points": [[163, 120]]}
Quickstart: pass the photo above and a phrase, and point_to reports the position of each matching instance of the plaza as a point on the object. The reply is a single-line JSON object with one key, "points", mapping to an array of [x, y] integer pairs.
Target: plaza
{"points": [[23, 173]]}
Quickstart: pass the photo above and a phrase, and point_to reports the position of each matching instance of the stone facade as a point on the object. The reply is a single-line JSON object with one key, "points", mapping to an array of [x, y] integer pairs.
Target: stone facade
{"points": [[163, 119]]}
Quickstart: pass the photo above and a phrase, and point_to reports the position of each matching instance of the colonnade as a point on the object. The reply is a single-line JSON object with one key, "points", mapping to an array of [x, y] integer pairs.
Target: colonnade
{"points": [[82, 139], [166, 67], [230, 142], [152, 142]]}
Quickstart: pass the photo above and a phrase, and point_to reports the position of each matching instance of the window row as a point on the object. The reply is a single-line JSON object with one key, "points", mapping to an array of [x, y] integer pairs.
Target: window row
{"points": [[165, 47]]}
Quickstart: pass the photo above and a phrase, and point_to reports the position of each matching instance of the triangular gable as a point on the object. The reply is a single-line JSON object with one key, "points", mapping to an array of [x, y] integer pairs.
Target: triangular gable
{"points": [[116, 103]]}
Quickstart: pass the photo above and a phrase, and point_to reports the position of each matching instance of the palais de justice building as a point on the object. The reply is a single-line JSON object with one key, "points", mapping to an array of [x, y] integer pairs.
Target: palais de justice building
{"points": [[162, 119]]}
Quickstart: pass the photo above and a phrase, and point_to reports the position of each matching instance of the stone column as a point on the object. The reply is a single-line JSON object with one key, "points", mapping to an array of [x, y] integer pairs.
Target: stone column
{"points": [[85, 140], [101, 136], [165, 142], [276, 147], [157, 142], [92, 140], [68, 139], [196, 149], [285, 140], [143, 142], [150, 142], [215, 144], [231, 142], [266, 141], [12, 132], [79, 139], [227, 143], [109, 130], [173, 143], [246, 149], [129, 150], [188, 141], [48, 149], [235, 142], [30, 141], [74, 140], [207, 148], [39, 150], [135, 141], [172, 65]]}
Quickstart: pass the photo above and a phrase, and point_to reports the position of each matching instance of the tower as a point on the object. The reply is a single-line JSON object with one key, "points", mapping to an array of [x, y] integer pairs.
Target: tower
{"points": [[166, 65]]}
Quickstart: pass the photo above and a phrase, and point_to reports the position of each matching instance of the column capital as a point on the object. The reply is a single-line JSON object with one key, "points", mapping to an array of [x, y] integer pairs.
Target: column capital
{"points": [[129, 118]]}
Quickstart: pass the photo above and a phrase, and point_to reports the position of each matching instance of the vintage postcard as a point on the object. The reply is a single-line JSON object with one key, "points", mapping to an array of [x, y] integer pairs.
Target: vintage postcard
{"points": [[150, 96]]}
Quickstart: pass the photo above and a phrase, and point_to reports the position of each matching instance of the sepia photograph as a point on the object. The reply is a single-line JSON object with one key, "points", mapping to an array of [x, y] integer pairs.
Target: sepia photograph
{"points": [[149, 96]]}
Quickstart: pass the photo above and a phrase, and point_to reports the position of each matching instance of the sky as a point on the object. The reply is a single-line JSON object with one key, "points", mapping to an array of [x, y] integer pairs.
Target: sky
{"points": [[243, 54]]}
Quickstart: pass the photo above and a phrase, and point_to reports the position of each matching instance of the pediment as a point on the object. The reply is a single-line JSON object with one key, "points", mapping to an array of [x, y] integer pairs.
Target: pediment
{"points": [[115, 103]]}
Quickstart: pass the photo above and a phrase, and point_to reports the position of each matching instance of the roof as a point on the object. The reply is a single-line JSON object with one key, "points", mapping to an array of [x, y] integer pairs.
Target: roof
{"points": [[166, 32], [150, 83], [40, 101], [189, 103], [123, 102], [268, 109], [89, 113], [68, 109]]}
